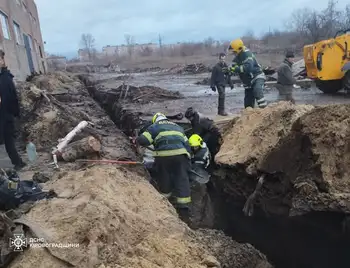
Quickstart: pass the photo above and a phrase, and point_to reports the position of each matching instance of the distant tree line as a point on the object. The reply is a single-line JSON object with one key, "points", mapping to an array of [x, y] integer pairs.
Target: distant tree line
{"points": [[304, 26]]}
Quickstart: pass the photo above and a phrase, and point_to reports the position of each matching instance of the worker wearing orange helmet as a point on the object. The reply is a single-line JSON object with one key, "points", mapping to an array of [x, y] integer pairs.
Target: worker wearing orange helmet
{"points": [[250, 72]]}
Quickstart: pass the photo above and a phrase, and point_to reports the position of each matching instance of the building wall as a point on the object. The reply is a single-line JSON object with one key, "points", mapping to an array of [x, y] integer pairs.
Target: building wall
{"points": [[25, 14]]}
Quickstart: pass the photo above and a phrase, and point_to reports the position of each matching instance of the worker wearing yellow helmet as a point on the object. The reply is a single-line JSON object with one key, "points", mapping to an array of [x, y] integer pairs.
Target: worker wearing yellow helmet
{"points": [[172, 161], [201, 154], [250, 72]]}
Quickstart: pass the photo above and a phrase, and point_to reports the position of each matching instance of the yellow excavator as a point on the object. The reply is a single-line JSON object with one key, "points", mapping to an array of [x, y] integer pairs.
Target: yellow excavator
{"points": [[328, 63]]}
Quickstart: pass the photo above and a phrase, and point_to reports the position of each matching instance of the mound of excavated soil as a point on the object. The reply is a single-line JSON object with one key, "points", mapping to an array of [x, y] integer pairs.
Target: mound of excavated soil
{"points": [[52, 105], [316, 160], [304, 152], [256, 133], [119, 220]]}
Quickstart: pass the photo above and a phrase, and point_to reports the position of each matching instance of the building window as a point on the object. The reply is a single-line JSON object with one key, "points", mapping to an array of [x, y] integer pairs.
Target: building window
{"points": [[17, 33], [30, 42], [5, 26]]}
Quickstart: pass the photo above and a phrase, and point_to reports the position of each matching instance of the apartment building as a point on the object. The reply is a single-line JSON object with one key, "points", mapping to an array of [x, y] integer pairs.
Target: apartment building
{"points": [[20, 38]]}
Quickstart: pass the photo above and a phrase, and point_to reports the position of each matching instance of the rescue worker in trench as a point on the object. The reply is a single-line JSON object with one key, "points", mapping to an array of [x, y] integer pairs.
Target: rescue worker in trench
{"points": [[206, 129], [200, 157], [219, 78], [202, 213], [285, 79], [250, 72], [172, 161]]}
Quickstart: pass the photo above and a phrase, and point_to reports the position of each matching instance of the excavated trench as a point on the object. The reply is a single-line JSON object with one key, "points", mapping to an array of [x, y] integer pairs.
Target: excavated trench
{"points": [[313, 240]]}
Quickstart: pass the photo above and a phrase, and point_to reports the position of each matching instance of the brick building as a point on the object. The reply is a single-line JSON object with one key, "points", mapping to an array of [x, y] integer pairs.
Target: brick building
{"points": [[20, 37]]}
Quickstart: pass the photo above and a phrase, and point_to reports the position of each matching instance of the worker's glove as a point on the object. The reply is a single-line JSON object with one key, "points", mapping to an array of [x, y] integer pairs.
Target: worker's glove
{"points": [[225, 70], [234, 69], [213, 88]]}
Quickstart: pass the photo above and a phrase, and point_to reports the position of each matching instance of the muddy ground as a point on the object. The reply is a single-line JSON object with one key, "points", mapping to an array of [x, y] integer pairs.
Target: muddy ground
{"points": [[202, 98], [139, 240]]}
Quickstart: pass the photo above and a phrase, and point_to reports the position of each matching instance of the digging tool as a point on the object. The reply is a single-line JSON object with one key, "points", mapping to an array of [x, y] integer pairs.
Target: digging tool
{"points": [[107, 161]]}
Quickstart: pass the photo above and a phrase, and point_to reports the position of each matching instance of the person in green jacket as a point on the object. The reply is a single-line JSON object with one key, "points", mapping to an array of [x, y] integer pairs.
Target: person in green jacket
{"points": [[250, 72]]}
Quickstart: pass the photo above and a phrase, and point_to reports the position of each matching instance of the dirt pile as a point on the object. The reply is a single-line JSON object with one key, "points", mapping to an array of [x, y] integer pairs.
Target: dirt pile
{"points": [[256, 133], [301, 149], [52, 105], [119, 220]]}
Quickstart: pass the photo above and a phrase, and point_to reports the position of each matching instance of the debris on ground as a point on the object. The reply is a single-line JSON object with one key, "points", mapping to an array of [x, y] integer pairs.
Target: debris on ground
{"points": [[54, 104], [302, 151], [195, 68], [112, 218], [123, 103]]}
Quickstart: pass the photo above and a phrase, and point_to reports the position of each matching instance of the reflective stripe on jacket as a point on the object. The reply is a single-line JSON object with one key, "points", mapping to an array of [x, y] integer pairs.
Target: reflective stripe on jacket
{"points": [[249, 67], [202, 157], [167, 138]]}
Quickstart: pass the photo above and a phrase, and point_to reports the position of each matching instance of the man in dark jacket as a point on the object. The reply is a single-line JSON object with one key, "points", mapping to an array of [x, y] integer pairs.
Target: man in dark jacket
{"points": [[219, 79], [172, 154], [206, 129], [250, 72], [9, 109], [285, 79]]}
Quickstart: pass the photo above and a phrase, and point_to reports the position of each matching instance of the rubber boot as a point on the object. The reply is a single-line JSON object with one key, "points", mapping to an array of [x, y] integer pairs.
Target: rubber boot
{"points": [[221, 106], [184, 214]]}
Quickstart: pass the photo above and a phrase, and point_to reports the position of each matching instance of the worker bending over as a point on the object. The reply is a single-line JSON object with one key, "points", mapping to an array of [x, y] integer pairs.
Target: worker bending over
{"points": [[172, 161], [219, 78], [250, 72], [206, 129]]}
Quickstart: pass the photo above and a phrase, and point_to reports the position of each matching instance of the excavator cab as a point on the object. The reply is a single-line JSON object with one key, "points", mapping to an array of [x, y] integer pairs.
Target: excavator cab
{"points": [[328, 62]]}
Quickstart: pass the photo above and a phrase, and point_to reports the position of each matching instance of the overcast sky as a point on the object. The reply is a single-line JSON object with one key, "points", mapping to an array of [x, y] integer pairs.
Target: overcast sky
{"points": [[63, 21]]}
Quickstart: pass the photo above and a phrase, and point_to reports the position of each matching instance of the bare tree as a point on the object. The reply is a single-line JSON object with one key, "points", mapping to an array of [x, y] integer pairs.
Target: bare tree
{"points": [[146, 51], [209, 44], [87, 43], [130, 42], [314, 26]]}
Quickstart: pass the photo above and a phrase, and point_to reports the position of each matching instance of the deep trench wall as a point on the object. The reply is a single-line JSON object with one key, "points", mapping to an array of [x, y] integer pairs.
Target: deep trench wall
{"points": [[304, 151], [316, 160]]}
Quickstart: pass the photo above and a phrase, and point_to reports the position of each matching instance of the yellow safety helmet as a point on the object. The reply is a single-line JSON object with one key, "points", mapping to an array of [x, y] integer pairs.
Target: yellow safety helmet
{"points": [[156, 116], [236, 45], [195, 140]]}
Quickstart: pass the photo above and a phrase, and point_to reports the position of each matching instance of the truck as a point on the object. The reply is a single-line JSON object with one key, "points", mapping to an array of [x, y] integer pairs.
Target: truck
{"points": [[327, 62]]}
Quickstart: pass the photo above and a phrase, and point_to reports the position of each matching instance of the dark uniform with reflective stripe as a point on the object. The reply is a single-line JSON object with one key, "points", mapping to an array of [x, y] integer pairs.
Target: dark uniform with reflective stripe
{"points": [[253, 78], [172, 159], [202, 213]]}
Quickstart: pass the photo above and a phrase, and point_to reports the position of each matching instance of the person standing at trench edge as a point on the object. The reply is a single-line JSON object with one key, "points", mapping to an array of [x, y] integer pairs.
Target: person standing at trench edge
{"points": [[219, 79], [250, 72], [9, 109]]}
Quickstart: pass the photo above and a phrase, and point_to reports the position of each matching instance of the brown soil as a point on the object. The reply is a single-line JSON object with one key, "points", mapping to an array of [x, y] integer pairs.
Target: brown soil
{"points": [[115, 214], [256, 132], [302, 149], [120, 220], [45, 121]]}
